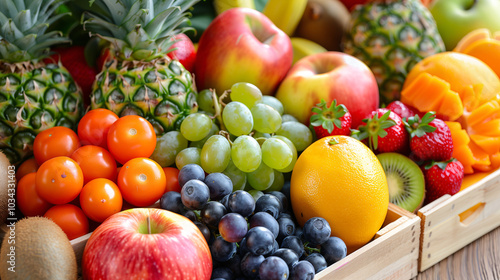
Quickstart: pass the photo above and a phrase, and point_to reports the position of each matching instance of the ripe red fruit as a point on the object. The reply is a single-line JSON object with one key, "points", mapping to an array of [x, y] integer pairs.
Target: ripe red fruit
{"points": [[384, 131], [444, 177], [430, 138], [73, 59], [333, 120], [184, 51], [402, 110]]}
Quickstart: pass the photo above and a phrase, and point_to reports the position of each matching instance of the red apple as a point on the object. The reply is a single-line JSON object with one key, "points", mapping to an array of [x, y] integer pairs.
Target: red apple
{"points": [[242, 45], [124, 247], [329, 75], [184, 51]]}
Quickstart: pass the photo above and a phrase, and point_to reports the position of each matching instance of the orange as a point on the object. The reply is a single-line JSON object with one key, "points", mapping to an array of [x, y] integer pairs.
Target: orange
{"points": [[341, 180]]}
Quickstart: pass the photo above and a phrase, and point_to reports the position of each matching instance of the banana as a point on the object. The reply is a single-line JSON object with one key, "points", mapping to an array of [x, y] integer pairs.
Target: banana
{"points": [[285, 14], [304, 47], [222, 5]]}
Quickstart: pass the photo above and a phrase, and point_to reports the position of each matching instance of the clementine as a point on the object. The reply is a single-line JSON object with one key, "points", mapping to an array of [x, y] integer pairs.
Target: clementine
{"points": [[341, 180]]}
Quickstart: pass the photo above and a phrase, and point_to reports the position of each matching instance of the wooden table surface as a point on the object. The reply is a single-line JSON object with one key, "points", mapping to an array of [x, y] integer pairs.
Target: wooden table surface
{"points": [[478, 260]]}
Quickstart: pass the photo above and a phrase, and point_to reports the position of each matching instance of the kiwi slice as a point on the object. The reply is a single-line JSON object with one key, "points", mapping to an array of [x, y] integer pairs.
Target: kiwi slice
{"points": [[405, 179]]}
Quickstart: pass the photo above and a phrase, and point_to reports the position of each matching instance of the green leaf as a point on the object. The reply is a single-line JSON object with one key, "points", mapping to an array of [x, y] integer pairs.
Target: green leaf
{"points": [[328, 126], [337, 123]]}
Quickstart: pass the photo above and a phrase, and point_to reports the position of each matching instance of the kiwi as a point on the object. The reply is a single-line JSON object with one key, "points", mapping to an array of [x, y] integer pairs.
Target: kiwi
{"points": [[405, 179], [4, 185], [324, 22], [37, 248]]}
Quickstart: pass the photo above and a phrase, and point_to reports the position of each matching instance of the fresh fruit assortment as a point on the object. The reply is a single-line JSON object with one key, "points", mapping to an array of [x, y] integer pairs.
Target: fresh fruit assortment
{"points": [[271, 148]]}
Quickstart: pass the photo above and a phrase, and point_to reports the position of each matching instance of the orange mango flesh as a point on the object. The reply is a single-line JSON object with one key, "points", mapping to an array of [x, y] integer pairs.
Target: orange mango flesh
{"points": [[470, 104]]}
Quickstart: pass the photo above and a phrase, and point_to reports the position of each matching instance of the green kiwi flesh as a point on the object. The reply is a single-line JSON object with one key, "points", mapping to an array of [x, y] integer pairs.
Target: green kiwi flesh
{"points": [[405, 179]]}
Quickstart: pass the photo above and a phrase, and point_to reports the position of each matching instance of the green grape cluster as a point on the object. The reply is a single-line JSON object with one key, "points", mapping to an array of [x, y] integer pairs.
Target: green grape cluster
{"points": [[248, 138]]}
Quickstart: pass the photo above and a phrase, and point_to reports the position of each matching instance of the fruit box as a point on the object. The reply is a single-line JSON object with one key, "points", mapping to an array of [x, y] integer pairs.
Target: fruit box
{"points": [[451, 222], [392, 254]]}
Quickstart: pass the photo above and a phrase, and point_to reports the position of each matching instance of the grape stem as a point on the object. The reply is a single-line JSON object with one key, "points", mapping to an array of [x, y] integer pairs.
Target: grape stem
{"points": [[218, 107], [226, 134]]}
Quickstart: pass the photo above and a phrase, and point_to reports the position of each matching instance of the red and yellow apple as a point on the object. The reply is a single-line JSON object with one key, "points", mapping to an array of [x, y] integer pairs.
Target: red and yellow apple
{"points": [[242, 45], [329, 75], [127, 246]]}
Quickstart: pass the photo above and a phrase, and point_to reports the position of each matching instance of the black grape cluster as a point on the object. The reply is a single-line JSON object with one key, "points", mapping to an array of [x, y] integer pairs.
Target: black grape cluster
{"points": [[248, 238]]}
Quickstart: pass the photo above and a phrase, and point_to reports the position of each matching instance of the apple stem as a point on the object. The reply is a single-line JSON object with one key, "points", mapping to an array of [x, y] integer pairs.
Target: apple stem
{"points": [[149, 224]]}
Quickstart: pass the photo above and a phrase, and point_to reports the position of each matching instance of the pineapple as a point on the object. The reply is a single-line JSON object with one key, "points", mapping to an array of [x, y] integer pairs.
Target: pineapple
{"points": [[138, 78], [391, 36], [34, 95]]}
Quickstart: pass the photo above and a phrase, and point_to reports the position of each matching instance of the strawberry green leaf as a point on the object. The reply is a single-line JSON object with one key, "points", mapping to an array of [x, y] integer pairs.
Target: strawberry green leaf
{"points": [[328, 126]]}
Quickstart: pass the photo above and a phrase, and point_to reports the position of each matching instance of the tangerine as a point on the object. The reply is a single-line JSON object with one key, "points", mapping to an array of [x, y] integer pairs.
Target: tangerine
{"points": [[341, 180]]}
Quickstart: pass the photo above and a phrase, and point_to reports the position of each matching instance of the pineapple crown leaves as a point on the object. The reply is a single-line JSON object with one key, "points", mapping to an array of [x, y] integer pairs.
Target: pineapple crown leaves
{"points": [[138, 29], [23, 29], [326, 116], [440, 164], [374, 128], [417, 126]]}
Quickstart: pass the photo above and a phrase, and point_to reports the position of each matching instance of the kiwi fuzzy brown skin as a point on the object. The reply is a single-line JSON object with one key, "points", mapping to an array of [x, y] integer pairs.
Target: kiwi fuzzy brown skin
{"points": [[42, 252], [400, 168], [324, 22], [4, 186]]}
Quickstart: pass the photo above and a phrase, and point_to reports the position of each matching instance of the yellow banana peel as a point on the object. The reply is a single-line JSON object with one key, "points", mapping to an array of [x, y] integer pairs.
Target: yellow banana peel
{"points": [[222, 5], [285, 14], [304, 47]]}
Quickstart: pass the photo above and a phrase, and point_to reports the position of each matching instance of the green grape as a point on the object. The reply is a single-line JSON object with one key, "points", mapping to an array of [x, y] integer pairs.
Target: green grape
{"points": [[245, 93], [199, 144], [256, 194], [167, 147], [237, 118], [298, 133], [259, 134], [262, 178], [215, 154], [266, 119], [278, 183], [273, 102], [205, 101], [238, 177], [294, 153], [246, 153], [276, 153], [288, 118], [187, 156], [196, 126]]}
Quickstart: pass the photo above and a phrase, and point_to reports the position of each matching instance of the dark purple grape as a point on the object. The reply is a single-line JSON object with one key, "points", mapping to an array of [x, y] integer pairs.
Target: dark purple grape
{"points": [[189, 172], [302, 270], [259, 240], [265, 219], [286, 228], [191, 215], [270, 204], [316, 230], [195, 194], [285, 215], [318, 261], [222, 250], [250, 264], [243, 249], [276, 246], [224, 201], [204, 230], [282, 198], [295, 243], [219, 184], [234, 264], [222, 272], [233, 227], [172, 201], [273, 268], [241, 202], [212, 212], [288, 255], [333, 249]]}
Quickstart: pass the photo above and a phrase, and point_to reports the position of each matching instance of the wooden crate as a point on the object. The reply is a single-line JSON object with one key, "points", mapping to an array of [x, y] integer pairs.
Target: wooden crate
{"points": [[452, 222], [393, 254]]}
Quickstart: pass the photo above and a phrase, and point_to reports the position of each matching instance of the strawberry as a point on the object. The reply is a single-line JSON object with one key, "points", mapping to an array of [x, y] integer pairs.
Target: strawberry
{"points": [[443, 177], [333, 120], [402, 110], [430, 137], [384, 131]]}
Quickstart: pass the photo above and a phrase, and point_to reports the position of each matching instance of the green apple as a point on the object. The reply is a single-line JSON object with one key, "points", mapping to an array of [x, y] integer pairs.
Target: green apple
{"points": [[456, 18]]}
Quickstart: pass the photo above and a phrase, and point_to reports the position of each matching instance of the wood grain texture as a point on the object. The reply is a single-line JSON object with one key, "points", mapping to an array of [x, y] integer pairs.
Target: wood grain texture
{"points": [[478, 260]]}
